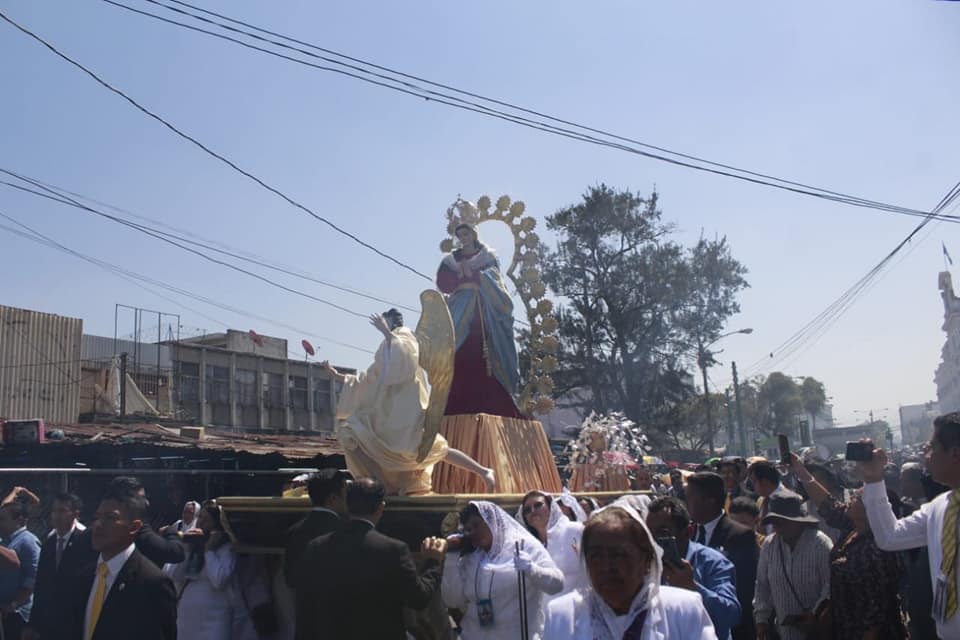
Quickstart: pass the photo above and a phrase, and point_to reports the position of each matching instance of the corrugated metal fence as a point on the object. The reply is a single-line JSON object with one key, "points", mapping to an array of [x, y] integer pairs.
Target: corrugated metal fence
{"points": [[39, 365]]}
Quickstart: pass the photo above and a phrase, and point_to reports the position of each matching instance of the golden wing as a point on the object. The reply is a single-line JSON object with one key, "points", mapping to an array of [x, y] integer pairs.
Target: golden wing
{"points": [[437, 347]]}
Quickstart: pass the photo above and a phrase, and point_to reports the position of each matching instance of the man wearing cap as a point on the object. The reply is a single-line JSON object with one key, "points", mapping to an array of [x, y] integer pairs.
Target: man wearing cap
{"points": [[793, 577]]}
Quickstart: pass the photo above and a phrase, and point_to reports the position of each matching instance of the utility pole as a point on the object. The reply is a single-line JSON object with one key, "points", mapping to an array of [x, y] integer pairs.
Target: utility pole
{"points": [[736, 397], [731, 429], [702, 361], [123, 385]]}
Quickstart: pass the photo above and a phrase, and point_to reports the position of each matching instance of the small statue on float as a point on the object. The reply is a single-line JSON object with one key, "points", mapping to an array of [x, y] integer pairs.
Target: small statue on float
{"points": [[607, 448]]}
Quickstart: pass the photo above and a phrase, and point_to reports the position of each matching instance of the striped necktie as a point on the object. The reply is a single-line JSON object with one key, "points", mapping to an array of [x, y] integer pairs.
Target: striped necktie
{"points": [[98, 597], [949, 544]]}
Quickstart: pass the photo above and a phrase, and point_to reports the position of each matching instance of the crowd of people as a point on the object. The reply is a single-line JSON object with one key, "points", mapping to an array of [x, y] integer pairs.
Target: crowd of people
{"points": [[742, 549]]}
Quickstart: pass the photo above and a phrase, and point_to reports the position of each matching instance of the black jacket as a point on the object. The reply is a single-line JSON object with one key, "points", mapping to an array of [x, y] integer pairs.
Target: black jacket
{"points": [[52, 598], [158, 549], [141, 604], [359, 582], [739, 544], [316, 524]]}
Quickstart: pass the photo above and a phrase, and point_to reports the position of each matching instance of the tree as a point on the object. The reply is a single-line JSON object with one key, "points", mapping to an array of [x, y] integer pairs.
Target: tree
{"points": [[636, 303], [780, 396], [813, 395]]}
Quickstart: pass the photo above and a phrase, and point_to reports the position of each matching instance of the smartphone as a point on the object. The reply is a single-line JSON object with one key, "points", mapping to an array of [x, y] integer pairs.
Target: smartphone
{"points": [[784, 448], [859, 451], [671, 553]]}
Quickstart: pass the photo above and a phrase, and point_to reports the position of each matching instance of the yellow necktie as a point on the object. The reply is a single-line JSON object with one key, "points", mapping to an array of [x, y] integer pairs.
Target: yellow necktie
{"points": [[726, 505], [98, 597], [949, 564]]}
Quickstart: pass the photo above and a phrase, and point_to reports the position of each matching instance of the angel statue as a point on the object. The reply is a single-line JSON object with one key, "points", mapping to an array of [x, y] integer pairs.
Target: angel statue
{"points": [[389, 417]]}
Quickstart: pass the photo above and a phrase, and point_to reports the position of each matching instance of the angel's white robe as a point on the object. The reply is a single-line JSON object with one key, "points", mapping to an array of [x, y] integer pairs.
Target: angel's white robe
{"points": [[381, 415]]}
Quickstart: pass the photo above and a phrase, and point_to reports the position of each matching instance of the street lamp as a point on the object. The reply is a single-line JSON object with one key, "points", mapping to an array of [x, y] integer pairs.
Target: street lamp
{"points": [[704, 361]]}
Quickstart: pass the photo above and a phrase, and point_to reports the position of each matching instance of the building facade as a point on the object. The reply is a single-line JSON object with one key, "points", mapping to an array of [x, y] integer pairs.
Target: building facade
{"points": [[947, 376], [916, 422], [247, 382], [39, 365]]}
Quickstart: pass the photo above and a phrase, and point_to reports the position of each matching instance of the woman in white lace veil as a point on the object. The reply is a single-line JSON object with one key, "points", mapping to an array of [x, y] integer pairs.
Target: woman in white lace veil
{"points": [[540, 513], [571, 506], [625, 600], [482, 581]]}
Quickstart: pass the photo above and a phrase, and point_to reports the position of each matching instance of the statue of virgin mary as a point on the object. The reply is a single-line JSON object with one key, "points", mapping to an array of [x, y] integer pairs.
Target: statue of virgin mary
{"points": [[486, 368]]}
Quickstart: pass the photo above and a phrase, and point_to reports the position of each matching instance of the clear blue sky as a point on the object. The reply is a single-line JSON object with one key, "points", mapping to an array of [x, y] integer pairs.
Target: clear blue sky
{"points": [[857, 96]]}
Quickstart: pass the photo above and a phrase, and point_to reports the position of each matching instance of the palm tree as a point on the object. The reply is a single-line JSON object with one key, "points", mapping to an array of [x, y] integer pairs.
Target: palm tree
{"points": [[814, 398]]}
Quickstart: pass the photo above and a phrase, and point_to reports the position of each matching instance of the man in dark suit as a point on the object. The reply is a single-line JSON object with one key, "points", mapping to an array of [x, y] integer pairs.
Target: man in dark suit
{"points": [[706, 494], [360, 580], [65, 551], [328, 495], [122, 595], [160, 550]]}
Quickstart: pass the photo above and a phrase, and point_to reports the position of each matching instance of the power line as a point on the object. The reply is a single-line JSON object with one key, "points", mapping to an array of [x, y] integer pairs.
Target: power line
{"points": [[382, 80], [212, 153], [36, 236], [162, 236], [807, 335], [57, 195], [198, 240]]}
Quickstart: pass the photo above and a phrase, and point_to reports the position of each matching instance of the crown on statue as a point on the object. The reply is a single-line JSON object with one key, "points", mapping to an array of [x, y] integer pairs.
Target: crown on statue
{"points": [[463, 212]]}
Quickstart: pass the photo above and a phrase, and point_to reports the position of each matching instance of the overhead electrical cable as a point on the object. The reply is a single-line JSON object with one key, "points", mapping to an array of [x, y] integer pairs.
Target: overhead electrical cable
{"points": [[399, 84], [211, 152], [176, 239], [816, 327], [167, 238], [36, 236], [210, 244]]}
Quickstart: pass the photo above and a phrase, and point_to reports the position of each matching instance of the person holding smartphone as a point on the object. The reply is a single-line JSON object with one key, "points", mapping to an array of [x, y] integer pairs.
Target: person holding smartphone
{"points": [[695, 567]]}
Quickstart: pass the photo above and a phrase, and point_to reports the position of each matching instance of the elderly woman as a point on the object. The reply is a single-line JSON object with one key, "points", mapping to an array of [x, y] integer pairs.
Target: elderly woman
{"points": [[482, 582], [540, 513], [625, 600], [864, 581]]}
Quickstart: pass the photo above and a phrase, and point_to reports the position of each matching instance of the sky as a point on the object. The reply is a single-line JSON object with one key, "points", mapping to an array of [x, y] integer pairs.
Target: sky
{"points": [[859, 97]]}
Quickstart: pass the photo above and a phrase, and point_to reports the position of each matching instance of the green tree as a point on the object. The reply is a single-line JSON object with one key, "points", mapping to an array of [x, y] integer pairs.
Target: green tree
{"points": [[780, 397], [813, 395], [636, 302]]}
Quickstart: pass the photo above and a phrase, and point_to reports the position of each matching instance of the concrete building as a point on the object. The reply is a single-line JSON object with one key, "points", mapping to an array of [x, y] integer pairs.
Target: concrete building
{"points": [[39, 365], [916, 422], [239, 380], [947, 376], [835, 439]]}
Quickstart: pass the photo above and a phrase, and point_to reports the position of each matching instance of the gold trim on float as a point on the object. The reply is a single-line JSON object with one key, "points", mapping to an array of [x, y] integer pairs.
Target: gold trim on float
{"points": [[439, 503]]}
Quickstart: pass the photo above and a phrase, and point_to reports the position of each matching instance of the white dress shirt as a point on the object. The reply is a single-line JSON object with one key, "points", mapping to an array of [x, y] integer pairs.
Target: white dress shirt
{"points": [[708, 530], [922, 528], [114, 565], [77, 526]]}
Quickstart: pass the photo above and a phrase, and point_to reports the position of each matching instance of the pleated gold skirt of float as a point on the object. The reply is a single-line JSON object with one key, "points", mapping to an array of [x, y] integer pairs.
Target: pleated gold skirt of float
{"points": [[599, 477], [517, 450]]}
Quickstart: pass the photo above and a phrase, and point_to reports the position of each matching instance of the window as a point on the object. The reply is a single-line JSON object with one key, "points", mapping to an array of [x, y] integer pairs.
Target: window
{"points": [[218, 384], [189, 382], [298, 392], [246, 382], [321, 397], [273, 390]]}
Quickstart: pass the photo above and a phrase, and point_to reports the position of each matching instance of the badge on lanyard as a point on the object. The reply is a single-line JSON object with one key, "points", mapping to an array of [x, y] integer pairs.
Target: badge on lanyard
{"points": [[485, 612]]}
